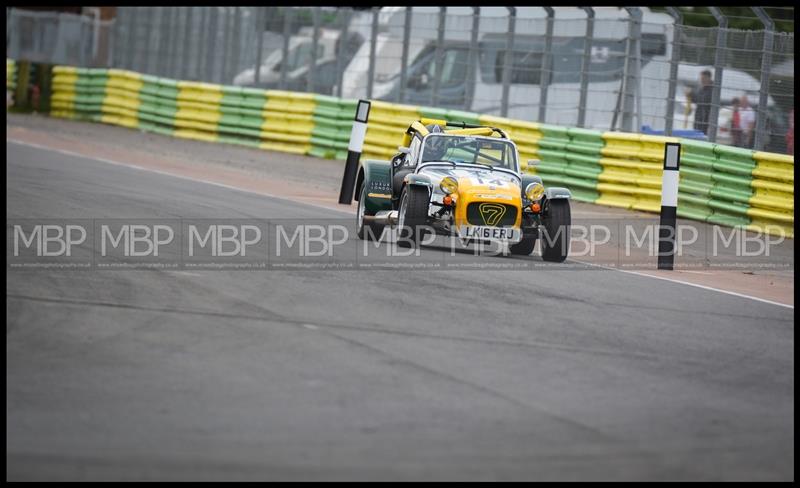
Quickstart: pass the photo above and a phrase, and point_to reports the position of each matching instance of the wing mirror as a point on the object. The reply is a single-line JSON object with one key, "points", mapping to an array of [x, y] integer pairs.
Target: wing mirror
{"points": [[533, 162], [403, 149], [418, 81]]}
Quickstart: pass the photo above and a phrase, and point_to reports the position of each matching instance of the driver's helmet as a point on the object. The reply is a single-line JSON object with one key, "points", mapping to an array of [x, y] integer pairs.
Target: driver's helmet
{"points": [[435, 147]]}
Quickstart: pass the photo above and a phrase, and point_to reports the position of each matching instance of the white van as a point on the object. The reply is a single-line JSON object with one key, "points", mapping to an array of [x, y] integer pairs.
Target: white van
{"points": [[606, 67], [299, 62]]}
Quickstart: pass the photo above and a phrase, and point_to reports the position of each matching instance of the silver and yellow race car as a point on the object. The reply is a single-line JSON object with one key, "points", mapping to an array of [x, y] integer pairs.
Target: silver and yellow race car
{"points": [[462, 180]]}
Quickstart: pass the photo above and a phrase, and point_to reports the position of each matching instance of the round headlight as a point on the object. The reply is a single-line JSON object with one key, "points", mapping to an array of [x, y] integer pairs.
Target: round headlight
{"points": [[534, 191], [449, 185]]}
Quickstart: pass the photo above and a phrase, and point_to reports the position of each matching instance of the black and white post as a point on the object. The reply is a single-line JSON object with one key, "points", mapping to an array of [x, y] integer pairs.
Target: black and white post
{"points": [[669, 205], [357, 135]]}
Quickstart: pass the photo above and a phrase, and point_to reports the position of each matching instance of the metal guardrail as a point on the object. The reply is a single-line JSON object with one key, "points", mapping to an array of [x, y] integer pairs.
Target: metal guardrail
{"points": [[597, 68]]}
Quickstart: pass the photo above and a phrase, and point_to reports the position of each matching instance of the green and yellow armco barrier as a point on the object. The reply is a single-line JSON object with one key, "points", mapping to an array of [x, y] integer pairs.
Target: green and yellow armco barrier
{"points": [[719, 184], [11, 74]]}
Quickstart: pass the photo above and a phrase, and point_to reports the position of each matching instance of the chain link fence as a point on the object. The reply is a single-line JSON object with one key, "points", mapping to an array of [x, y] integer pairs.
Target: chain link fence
{"points": [[605, 68]]}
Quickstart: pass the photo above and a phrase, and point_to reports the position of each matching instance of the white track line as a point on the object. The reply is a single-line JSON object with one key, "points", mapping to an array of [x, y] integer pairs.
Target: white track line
{"points": [[689, 283], [229, 187]]}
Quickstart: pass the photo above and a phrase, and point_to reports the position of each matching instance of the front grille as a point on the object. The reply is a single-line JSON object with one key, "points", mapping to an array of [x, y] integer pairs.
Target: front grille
{"points": [[489, 216]]}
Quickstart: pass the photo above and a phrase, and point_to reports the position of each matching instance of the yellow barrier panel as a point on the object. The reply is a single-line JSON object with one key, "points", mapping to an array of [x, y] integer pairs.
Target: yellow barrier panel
{"points": [[621, 145], [64, 81], [193, 96], [651, 148], [289, 148], [289, 102], [124, 80], [386, 127], [772, 204], [65, 70], [632, 171], [779, 167], [200, 135], [121, 100], [62, 99], [287, 122]]}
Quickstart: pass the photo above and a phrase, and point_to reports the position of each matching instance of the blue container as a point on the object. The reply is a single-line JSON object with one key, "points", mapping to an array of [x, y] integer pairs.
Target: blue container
{"points": [[687, 133]]}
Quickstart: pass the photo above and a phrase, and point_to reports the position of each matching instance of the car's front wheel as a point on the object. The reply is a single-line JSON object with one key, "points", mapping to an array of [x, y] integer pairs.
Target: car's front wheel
{"points": [[366, 230], [414, 202], [556, 221]]}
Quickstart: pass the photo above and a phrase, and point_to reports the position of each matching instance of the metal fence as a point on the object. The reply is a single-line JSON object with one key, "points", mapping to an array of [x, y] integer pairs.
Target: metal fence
{"points": [[605, 68], [60, 38]]}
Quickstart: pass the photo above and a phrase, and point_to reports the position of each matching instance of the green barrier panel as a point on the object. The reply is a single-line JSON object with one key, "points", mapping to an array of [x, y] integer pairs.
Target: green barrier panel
{"points": [[581, 189], [585, 141], [689, 186], [555, 132], [234, 121], [241, 101], [165, 119], [721, 218], [433, 113], [327, 107], [731, 181], [697, 154], [693, 206], [240, 111], [740, 169], [584, 160], [728, 208], [582, 173], [551, 144], [735, 160], [461, 116], [698, 162], [730, 194], [154, 99], [333, 120], [251, 134], [700, 148], [695, 174], [158, 104], [549, 157]]}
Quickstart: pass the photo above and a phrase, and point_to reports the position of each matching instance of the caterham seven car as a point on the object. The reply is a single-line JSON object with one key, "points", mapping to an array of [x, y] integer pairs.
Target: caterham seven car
{"points": [[462, 180]]}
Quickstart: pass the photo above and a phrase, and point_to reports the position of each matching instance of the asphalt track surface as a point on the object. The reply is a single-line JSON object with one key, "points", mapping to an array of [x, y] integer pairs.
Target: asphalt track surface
{"points": [[543, 374]]}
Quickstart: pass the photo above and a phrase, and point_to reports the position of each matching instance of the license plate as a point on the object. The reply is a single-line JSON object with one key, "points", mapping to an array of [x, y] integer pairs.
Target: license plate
{"points": [[490, 233]]}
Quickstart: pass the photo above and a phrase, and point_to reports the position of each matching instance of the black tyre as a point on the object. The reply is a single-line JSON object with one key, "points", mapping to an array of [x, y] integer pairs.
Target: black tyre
{"points": [[366, 230], [414, 202], [555, 241], [523, 247]]}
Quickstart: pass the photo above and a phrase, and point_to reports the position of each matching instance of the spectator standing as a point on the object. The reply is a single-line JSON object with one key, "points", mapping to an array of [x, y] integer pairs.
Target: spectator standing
{"points": [[748, 122], [702, 98], [736, 124]]}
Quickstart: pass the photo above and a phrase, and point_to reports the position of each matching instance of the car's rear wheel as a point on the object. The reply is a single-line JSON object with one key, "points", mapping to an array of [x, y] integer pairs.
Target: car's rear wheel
{"points": [[556, 221], [414, 202], [366, 230]]}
